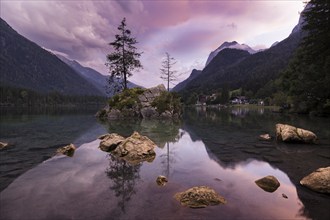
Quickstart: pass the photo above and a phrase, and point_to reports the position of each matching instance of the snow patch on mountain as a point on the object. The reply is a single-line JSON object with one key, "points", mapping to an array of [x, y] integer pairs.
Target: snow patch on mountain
{"points": [[231, 45]]}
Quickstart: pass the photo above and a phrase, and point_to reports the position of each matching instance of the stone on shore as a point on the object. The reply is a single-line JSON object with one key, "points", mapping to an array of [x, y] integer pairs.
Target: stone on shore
{"points": [[318, 181], [268, 183], [199, 197], [67, 150], [288, 133]]}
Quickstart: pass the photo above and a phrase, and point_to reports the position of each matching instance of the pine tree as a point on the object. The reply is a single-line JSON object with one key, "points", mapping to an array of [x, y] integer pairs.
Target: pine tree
{"points": [[167, 73], [125, 58]]}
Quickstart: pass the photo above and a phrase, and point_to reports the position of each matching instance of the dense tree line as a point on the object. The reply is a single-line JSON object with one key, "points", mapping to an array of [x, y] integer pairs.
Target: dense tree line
{"points": [[307, 78], [10, 96]]}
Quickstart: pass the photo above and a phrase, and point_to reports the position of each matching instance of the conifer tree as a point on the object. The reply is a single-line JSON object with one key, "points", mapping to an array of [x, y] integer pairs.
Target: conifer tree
{"points": [[125, 57]]}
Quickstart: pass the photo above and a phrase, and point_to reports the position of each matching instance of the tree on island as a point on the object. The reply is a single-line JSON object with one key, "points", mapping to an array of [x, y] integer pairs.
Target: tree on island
{"points": [[125, 57], [167, 73]]}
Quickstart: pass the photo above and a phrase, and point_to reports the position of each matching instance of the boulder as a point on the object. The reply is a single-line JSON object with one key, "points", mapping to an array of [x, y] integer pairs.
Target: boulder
{"points": [[149, 112], [318, 181], [3, 145], [114, 114], [199, 197], [67, 150], [268, 183], [110, 141], [135, 149], [265, 137], [288, 133], [161, 180]]}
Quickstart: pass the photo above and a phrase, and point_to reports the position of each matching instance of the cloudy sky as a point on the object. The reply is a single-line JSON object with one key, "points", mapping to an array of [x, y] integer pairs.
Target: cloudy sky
{"points": [[187, 29]]}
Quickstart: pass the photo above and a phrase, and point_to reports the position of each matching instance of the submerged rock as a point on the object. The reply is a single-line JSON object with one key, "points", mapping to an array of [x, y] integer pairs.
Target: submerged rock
{"points": [[265, 137], [161, 180], [268, 183], [3, 145], [67, 150], [199, 197], [318, 181], [134, 149], [110, 141], [288, 133]]}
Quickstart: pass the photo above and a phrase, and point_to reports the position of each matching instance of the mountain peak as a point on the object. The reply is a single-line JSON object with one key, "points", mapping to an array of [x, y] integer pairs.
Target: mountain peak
{"points": [[231, 45]]}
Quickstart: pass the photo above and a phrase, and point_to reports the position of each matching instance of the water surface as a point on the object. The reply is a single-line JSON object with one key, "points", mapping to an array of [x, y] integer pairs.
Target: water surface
{"points": [[216, 148]]}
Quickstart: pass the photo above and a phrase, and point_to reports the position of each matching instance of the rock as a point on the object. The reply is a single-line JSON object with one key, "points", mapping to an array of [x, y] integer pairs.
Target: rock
{"points": [[318, 181], [149, 112], [161, 180], [199, 197], [110, 141], [135, 149], [265, 137], [166, 115], [268, 183], [66, 150], [288, 133], [3, 145], [114, 114]]}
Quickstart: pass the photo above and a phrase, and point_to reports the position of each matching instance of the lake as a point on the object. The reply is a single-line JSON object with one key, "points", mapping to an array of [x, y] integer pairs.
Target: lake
{"points": [[213, 147]]}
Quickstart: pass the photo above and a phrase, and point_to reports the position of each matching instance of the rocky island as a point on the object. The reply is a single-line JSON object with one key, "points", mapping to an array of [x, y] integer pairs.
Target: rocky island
{"points": [[150, 103]]}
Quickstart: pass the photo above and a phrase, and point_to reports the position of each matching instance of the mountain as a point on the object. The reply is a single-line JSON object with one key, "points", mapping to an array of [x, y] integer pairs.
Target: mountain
{"points": [[99, 80], [231, 45], [233, 68], [184, 83], [24, 64]]}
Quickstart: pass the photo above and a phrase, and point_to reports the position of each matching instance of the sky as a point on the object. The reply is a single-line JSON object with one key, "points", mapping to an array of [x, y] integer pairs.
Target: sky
{"points": [[187, 29]]}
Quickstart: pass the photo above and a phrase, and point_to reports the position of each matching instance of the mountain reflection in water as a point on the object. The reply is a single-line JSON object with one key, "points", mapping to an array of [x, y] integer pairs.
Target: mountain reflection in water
{"points": [[215, 148]]}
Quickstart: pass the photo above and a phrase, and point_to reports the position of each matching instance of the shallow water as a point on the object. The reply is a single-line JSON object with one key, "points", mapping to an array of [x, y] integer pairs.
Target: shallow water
{"points": [[216, 148]]}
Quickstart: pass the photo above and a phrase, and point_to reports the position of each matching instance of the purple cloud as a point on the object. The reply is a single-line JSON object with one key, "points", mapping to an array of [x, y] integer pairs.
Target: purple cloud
{"points": [[188, 30]]}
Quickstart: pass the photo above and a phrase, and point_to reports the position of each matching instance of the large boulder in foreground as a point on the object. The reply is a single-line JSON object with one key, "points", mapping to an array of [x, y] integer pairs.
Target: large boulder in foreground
{"points": [[288, 133], [134, 149], [199, 197], [268, 183], [318, 181]]}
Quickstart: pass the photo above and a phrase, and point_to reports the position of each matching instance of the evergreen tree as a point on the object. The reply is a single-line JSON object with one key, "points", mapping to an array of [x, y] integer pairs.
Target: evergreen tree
{"points": [[307, 78], [167, 72], [125, 58]]}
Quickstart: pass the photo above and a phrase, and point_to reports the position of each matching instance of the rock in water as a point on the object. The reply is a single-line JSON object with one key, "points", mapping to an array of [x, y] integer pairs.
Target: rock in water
{"points": [[3, 145], [288, 133], [110, 141], [318, 181], [135, 149], [66, 150], [268, 183], [265, 137], [199, 197], [161, 180]]}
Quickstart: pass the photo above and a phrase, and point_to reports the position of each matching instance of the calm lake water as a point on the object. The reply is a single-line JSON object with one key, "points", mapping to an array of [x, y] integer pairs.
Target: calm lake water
{"points": [[211, 147]]}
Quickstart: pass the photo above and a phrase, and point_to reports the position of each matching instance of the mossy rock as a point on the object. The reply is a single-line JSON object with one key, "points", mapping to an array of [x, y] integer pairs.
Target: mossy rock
{"points": [[199, 197]]}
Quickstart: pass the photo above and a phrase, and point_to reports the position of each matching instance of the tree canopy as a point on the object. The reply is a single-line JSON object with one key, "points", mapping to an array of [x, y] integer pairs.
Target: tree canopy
{"points": [[307, 78]]}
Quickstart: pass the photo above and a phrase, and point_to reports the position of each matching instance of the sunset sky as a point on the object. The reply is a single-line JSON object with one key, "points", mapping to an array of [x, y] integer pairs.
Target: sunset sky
{"points": [[188, 30]]}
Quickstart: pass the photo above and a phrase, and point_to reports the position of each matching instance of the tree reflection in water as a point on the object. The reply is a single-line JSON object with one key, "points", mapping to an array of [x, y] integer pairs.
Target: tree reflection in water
{"points": [[124, 177]]}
